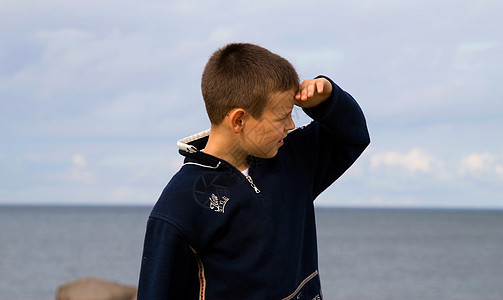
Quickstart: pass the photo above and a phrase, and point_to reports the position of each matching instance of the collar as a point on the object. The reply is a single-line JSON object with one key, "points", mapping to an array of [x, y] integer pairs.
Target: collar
{"points": [[191, 147]]}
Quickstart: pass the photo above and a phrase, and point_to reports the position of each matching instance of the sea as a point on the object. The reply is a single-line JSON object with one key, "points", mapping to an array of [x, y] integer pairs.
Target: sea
{"points": [[364, 253]]}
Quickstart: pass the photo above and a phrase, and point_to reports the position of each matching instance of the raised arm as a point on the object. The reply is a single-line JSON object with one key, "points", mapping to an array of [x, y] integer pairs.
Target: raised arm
{"points": [[337, 136]]}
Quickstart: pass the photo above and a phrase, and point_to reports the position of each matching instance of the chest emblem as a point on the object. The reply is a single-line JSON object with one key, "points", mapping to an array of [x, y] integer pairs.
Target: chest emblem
{"points": [[218, 204], [211, 191]]}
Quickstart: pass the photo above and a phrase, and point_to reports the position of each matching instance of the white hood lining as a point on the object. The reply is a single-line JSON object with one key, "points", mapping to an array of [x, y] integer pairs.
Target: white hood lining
{"points": [[183, 144]]}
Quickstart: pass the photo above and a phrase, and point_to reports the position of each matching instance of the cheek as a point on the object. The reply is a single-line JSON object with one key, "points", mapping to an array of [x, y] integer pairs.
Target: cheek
{"points": [[275, 132], [266, 134], [282, 127]]}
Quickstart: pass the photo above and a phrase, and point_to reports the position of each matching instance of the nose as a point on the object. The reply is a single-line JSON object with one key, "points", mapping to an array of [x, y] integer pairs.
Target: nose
{"points": [[291, 124]]}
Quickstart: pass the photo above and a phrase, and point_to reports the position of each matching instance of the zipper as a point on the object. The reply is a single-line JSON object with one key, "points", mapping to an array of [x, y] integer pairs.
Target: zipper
{"points": [[250, 180], [251, 165]]}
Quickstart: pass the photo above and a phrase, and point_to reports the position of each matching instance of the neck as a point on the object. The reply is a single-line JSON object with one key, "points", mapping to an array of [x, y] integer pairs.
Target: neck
{"points": [[223, 145]]}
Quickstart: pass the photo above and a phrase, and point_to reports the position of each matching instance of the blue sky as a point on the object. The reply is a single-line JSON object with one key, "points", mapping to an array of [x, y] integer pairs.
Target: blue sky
{"points": [[94, 94]]}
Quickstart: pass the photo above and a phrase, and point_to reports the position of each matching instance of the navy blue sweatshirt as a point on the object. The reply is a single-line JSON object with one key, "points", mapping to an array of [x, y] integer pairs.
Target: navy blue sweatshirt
{"points": [[218, 234]]}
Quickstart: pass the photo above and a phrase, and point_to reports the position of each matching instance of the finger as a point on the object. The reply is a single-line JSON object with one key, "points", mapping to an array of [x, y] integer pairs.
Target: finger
{"points": [[320, 86], [310, 89], [303, 91], [297, 95], [304, 94]]}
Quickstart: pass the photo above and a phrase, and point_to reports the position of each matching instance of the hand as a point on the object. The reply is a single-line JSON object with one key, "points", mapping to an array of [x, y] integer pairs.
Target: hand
{"points": [[313, 92]]}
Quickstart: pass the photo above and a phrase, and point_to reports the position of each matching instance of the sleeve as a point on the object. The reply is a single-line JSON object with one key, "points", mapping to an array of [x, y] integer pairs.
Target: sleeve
{"points": [[333, 141], [166, 264]]}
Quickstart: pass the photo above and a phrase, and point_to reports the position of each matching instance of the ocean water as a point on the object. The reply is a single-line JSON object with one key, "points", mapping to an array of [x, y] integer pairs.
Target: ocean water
{"points": [[364, 253]]}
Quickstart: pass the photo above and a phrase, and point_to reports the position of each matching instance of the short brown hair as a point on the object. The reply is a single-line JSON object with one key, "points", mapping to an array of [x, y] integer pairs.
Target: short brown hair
{"points": [[244, 75]]}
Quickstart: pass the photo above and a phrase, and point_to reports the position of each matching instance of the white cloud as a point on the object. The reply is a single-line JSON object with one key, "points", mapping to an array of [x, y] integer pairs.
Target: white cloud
{"points": [[76, 170], [79, 171], [81, 175], [122, 194], [477, 162], [484, 166], [499, 170], [79, 161], [416, 160]]}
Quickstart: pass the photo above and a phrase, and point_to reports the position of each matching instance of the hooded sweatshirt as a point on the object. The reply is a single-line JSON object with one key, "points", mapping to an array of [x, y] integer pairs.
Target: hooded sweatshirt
{"points": [[216, 233]]}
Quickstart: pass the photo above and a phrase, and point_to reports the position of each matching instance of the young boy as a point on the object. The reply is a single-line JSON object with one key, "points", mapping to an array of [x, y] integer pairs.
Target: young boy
{"points": [[237, 220]]}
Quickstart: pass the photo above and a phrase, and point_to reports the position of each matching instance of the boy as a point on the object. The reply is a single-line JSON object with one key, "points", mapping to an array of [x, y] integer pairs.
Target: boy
{"points": [[237, 220]]}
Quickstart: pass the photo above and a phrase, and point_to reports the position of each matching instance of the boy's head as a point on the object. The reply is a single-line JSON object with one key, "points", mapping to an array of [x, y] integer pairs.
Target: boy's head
{"points": [[244, 76]]}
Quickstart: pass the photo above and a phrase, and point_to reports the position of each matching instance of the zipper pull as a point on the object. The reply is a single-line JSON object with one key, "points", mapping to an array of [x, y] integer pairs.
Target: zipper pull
{"points": [[250, 180]]}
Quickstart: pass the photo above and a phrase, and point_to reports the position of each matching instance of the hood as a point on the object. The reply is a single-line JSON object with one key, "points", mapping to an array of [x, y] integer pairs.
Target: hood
{"points": [[194, 143]]}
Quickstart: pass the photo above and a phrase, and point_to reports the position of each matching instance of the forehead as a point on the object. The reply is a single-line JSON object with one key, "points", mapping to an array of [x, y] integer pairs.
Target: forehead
{"points": [[281, 102]]}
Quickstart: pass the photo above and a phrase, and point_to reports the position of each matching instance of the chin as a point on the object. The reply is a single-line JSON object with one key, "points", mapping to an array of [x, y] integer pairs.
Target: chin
{"points": [[270, 154]]}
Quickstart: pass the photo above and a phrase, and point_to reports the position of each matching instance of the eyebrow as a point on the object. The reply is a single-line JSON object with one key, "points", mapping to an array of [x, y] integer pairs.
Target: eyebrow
{"points": [[285, 114]]}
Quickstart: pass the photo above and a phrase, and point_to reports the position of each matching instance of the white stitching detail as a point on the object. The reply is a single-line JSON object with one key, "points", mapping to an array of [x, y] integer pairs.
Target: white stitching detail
{"points": [[201, 165]]}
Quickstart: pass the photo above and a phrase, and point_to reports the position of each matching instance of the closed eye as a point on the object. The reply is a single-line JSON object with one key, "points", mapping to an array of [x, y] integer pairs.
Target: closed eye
{"points": [[287, 116]]}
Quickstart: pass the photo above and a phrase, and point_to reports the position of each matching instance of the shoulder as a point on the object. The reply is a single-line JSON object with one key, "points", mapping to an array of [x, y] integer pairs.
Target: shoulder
{"points": [[179, 187], [176, 204]]}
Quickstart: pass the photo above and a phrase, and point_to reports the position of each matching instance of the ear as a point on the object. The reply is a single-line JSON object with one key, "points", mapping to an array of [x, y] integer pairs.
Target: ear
{"points": [[236, 119]]}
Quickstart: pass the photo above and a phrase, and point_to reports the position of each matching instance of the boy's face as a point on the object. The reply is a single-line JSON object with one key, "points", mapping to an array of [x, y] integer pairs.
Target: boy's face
{"points": [[264, 136]]}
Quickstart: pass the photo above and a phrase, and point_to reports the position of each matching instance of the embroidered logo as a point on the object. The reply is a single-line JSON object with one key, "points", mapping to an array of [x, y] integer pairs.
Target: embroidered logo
{"points": [[211, 191], [218, 205]]}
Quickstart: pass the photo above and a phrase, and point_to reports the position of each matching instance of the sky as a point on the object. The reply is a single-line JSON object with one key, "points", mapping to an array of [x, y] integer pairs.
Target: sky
{"points": [[95, 94]]}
